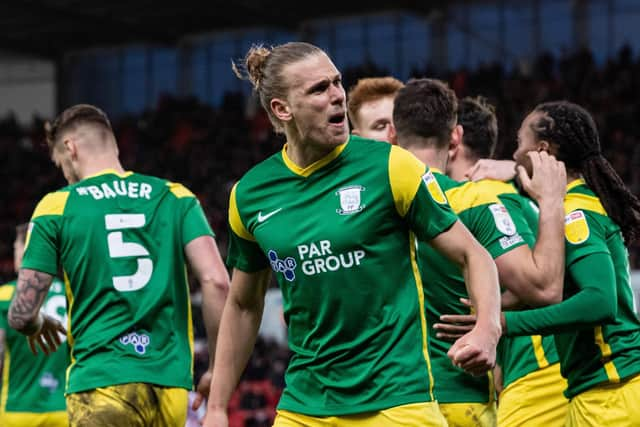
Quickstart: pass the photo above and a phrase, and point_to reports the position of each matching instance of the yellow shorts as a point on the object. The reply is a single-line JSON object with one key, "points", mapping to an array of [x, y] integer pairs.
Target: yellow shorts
{"points": [[414, 415], [535, 400], [131, 405], [32, 419], [469, 414], [607, 405]]}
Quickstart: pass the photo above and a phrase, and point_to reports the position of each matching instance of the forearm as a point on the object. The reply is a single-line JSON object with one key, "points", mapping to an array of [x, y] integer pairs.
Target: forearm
{"points": [[31, 290], [481, 278], [548, 252], [238, 331], [583, 310], [214, 294], [594, 304]]}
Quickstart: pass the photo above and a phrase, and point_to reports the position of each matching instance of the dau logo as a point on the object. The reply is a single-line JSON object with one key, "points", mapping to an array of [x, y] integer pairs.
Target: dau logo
{"points": [[286, 266], [138, 341]]}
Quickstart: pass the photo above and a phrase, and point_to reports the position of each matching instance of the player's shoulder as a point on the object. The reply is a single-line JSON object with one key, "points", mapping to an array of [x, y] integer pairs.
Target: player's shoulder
{"points": [[367, 146], [581, 198], [469, 195], [53, 203]]}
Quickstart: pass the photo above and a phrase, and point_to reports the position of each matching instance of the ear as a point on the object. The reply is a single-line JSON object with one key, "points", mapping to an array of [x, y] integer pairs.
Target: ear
{"points": [[281, 109], [544, 146], [392, 135], [455, 144], [71, 147]]}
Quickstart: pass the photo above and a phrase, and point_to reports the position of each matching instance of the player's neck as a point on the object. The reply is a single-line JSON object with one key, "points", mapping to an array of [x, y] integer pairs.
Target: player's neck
{"points": [[303, 155], [572, 176], [99, 164], [432, 157], [457, 169]]}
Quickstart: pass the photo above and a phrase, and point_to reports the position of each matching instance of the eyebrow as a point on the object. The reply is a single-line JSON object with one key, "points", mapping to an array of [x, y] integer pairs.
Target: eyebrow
{"points": [[325, 81]]}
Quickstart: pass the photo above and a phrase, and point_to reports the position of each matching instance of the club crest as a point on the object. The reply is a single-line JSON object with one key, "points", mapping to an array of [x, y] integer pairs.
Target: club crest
{"points": [[350, 200]]}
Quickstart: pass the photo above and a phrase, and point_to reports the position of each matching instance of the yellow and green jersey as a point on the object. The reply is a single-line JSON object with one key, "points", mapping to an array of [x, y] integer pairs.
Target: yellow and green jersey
{"points": [[480, 209], [119, 239], [521, 355], [32, 383], [340, 236], [597, 333]]}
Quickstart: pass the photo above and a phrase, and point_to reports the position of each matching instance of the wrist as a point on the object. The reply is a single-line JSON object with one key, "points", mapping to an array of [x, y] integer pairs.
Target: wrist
{"points": [[34, 327]]}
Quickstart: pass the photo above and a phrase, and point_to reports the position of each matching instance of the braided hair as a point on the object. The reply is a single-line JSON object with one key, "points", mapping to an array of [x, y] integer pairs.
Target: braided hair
{"points": [[571, 129]]}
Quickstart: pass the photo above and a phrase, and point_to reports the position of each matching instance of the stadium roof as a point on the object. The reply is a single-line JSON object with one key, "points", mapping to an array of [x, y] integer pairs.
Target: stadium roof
{"points": [[50, 28]]}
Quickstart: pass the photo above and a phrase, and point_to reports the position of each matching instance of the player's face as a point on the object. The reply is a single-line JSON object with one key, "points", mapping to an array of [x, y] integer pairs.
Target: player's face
{"points": [[526, 142], [18, 252], [375, 119], [317, 101], [62, 159]]}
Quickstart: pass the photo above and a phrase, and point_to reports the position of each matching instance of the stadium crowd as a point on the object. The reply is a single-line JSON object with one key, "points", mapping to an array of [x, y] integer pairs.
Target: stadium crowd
{"points": [[208, 149]]}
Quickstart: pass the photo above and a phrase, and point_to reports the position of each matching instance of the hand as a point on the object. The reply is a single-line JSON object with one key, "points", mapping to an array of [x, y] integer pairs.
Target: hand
{"points": [[475, 352], [501, 170], [455, 326], [216, 418], [548, 179], [48, 335], [202, 390]]}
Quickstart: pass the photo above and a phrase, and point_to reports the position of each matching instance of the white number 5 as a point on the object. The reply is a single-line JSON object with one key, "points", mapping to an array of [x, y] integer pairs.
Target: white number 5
{"points": [[119, 248]]}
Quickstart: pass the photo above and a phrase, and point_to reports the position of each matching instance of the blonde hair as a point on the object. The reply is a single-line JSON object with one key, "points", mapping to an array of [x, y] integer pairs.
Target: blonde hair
{"points": [[263, 67]]}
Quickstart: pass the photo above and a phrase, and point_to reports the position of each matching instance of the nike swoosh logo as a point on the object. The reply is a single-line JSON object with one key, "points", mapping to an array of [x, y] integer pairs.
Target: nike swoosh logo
{"points": [[263, 218]]}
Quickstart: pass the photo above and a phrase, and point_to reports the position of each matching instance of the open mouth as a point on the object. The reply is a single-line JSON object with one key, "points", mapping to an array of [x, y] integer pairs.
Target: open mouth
{"points": [[337, 119]]}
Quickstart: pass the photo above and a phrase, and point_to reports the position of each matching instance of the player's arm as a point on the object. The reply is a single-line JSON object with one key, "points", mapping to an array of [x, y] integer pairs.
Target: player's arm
{"points": [[25, 315], [536, 276], [475, 351], [594, 304], [238, 331], [206, 264], [3, 336], [422, 204], [501, 170]]}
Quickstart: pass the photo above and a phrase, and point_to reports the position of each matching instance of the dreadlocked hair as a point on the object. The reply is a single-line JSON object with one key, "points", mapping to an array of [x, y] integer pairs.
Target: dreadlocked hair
{"points": [[573, 131]]}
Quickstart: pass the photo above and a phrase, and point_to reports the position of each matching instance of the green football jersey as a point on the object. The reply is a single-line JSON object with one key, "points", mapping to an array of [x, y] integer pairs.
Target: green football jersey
{"points": [[33, 383], [589, 354], [340, 235], [519, 356], [119, 239], [479, 208]]}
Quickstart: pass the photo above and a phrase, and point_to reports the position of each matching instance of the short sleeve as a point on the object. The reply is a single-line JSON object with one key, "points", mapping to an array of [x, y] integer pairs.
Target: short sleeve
{"points": [[195, 223], [244, 252], [42, 242], [418, 196]]}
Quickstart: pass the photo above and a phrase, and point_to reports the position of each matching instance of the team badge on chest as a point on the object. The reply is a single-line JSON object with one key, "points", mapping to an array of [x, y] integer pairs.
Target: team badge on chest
{"points": [[350, 200]]}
